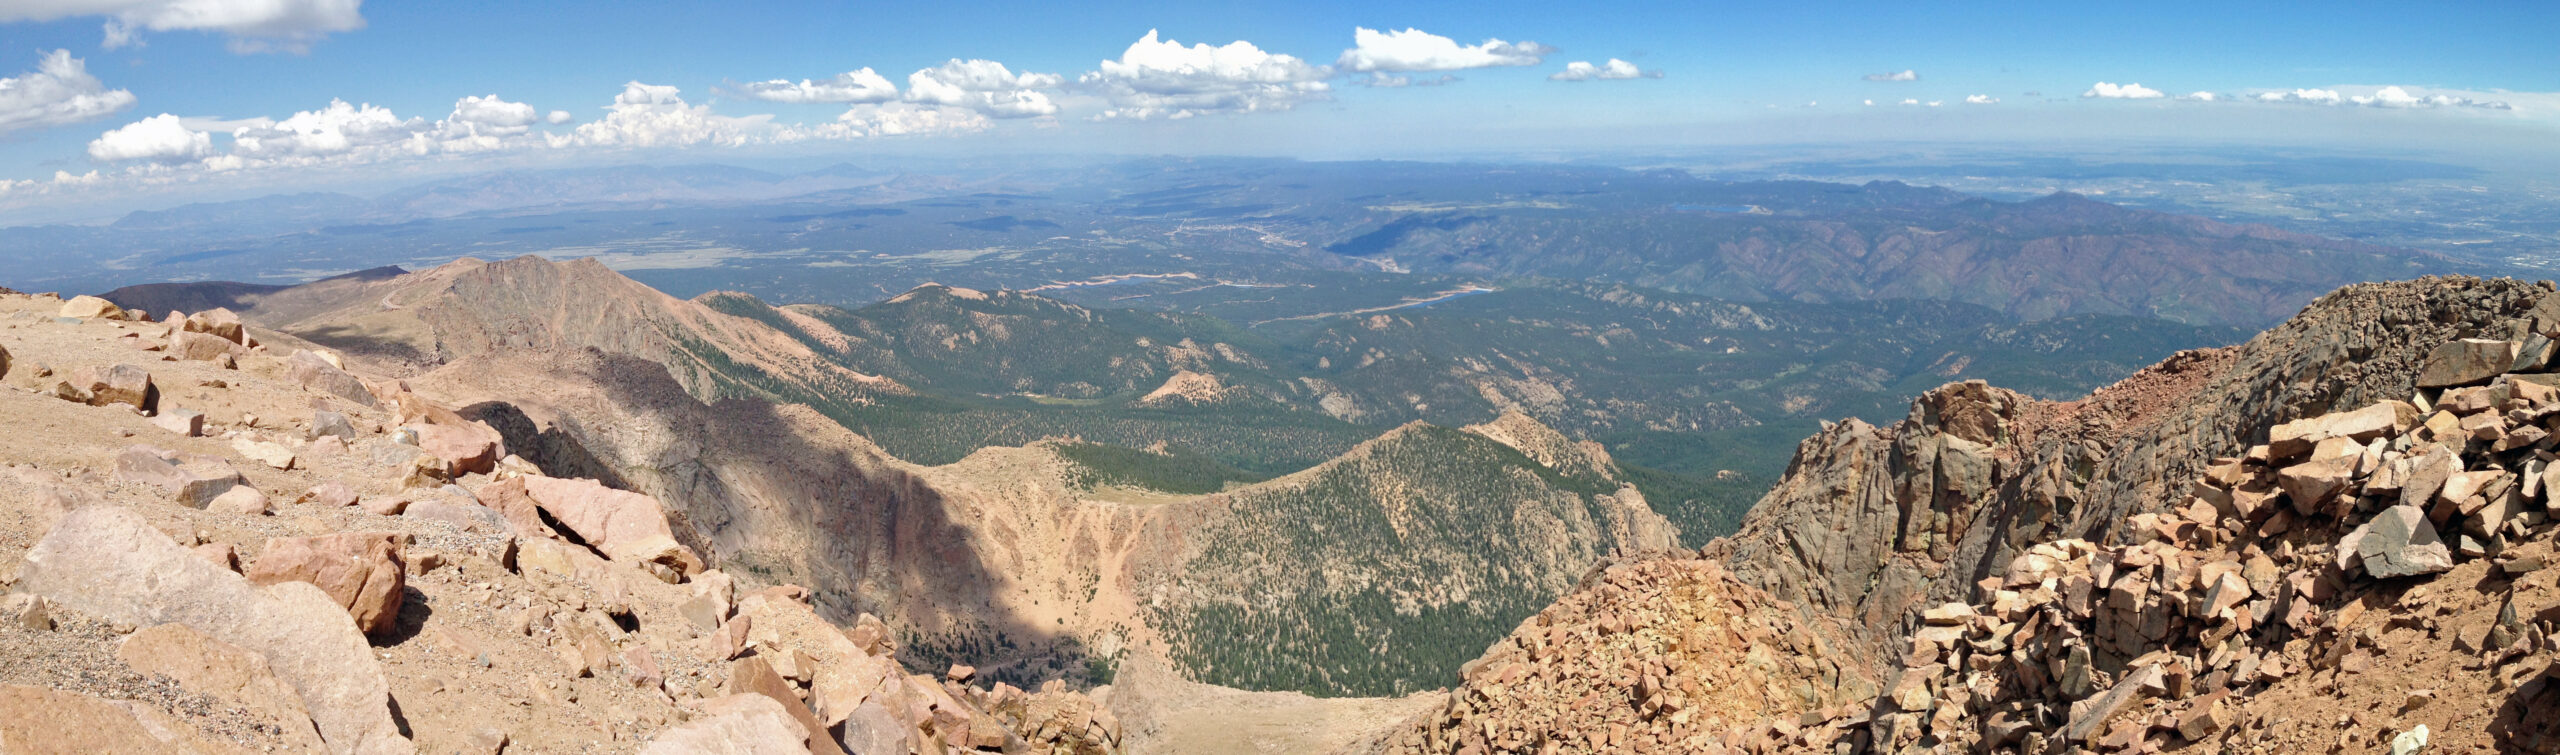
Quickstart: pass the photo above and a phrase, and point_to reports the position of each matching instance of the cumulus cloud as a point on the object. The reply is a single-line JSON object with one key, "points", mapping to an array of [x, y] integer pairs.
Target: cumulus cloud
{"points": [[2200, 97], [2312, 96], [1160, 78], [2389, 97], [1902, 75], [1911, 102], [2107, 91], [478, 124], [1614, 70], [59, 92], [160, 138], [558, 117], [857, 86], [985, 86], [252, 25], [1981, 99], [1415, 50], [313, 136], [651, 115]]}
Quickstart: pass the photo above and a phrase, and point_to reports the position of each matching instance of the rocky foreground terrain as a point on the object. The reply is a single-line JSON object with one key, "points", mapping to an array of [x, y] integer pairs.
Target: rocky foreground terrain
{"points": [[2332, 538], [215, 539]]}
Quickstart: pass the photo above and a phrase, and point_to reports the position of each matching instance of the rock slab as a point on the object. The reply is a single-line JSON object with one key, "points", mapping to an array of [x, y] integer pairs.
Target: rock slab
{"points": [[108, 562]]}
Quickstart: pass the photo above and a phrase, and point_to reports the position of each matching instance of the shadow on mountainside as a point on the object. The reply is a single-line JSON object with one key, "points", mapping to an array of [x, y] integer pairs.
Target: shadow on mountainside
{"points": [[767, 497], [358, 342], [557, 452]]}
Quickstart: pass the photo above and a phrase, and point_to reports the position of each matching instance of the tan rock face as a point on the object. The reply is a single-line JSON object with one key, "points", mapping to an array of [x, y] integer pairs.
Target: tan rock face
{"points": [[243, 500], [2467, 361], [754, 676], [107, 561], [219, 323], [203, 347], [37, 720], [742, 724], [220, 670], [360, 571], [464, 450], [86, 307], [117, 384], [318, 374], [623, 525], [193, 481]]}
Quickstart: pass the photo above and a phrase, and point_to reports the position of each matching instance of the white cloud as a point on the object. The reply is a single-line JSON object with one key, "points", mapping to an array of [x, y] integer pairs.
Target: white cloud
{"points": [[1868, 103], [159, 138], [985, 86], [860, 85], [647, 115], [2388, 97], [1902, 75], [1614, 70], [1911, 102], [1415, 50], [59, 92], [1935, 103], [2200, 97], [2106, 91], [310, 136], [253, 25], [2312, 96], [1160, 78], [1981, 99], [558, 117], [478, 124]]}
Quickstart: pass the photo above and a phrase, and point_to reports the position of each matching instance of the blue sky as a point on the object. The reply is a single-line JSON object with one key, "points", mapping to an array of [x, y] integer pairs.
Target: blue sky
{"points": [[89, 80]]}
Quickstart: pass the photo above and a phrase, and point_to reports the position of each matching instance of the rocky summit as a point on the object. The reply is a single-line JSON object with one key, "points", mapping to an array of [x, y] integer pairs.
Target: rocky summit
{"points": [[2332, 537], [273, 550], [2329, 539]]}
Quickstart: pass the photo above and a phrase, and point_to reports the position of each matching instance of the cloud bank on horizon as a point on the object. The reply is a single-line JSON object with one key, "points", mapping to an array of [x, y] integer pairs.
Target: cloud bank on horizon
{"points": [[1154, 79]]}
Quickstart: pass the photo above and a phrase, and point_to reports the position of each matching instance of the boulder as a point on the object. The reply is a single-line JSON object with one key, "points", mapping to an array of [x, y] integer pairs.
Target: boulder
{"points": [[754, 676], [4, 362], [743, 724], [2089, 717], [623, 525], [241, 499], [314, 373], [193, 481], [222, 671], [2291, 439], [325, 423], [2467, 361], [184, 422], [219, 323], [872, 728], [331, 494], [117, 384], [85, 307], [514, 503], [464, 449], [2397, 542], [202, 347], [270, 454], [2312, 483], [360, 571], [107, 561]]}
